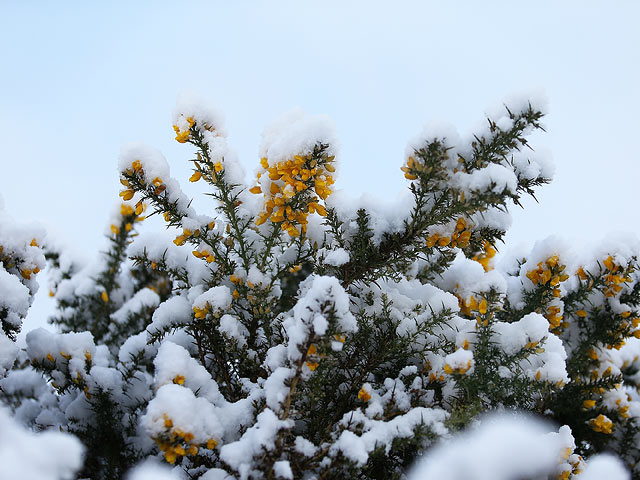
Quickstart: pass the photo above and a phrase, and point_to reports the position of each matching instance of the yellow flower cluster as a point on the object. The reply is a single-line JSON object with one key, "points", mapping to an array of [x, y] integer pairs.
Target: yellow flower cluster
{"points": [[182, 136], [284, 202], [26, 272], [601, 424], [204, 254], [364, 395], [459, 238], [411, 168], [178, 443], [127, 193], [186, 234], [313, 359], [459, 370], [550, 272], [571, 464], [623, 410], [10, 263], [555, 318], [129, 211], [614, 278], [201, 312], [485, 257], [472, 305]]}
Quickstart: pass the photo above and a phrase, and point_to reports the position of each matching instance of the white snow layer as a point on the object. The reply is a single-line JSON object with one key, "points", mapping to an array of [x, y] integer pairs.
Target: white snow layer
{"points": [[45, 456]]}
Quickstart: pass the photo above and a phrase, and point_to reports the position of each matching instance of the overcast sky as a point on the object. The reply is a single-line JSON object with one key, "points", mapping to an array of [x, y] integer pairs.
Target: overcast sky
{"points": [[79, 79]]}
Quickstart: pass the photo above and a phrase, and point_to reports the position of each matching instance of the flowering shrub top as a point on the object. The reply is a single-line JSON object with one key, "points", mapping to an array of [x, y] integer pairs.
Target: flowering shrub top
{"points": [[294, 333]]}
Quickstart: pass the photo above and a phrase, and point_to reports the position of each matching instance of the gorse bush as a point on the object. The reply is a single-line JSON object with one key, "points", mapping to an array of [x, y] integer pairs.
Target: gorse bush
{"points": [[295, 333]]}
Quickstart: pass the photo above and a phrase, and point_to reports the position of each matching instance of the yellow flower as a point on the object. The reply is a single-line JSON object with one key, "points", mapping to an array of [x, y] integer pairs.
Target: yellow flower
{"points": [[608, 263], [217, 167], [140, 207], [211, 444], [485, 258], [482, 307], [196, 176], [364, 395], [589, 404], [601, 424], [126, 210], [443, 241], [183, 137], [168, 423], [321, 210], [261, 218], [201, 312], [179, 379], [127, 194], [460, 370], [295, 268], [170, 455], [581, 274], [105, 296]]}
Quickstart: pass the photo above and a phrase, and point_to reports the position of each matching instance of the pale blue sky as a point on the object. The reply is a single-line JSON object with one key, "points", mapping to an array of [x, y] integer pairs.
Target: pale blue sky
{"points": [[78, 79]]}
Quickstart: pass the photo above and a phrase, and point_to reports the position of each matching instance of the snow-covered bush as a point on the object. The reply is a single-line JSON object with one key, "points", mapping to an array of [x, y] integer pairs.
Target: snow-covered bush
{"points": [[297, 333]]}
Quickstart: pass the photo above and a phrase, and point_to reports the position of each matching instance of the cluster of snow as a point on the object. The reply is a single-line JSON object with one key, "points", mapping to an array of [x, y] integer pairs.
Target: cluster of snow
{"points": [[318, 296], [377, 433], [21, 258], [159, 248], [297, 133], [508, 446], [154, 166], [210, 123], [143, 299], [44, 456]]}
